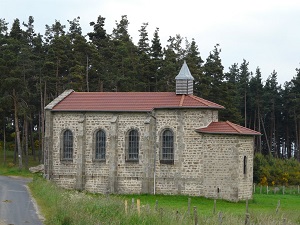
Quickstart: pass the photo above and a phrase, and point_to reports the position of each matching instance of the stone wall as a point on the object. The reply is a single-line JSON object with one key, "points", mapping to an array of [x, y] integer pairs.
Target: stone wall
{"points": [[223, 166], [203, 164], [185, 176]]}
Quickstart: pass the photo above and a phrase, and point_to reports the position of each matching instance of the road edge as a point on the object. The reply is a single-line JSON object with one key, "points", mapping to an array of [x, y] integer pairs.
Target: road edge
{"points": [[35, 205]]}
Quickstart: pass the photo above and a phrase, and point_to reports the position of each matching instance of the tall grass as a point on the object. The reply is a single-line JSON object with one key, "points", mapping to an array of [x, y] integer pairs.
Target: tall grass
{"points": [[67, 207]]}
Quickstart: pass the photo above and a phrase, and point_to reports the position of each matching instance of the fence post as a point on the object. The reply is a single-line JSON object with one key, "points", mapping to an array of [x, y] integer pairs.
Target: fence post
{"points": [[148, 208], [254, 188], [138, 205], [189, 206], [247, 219], [195, 215], [156, 204], [283, 190], [220, 218], [278, 205], [284, 221], [267, 189], [215, 203], [132, 203], [247, 205], [126, 206]]}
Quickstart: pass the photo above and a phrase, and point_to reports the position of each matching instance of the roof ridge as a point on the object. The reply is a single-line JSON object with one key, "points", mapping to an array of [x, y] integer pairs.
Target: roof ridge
{"points": [[233, 126], [198, 99], [181, 100]]}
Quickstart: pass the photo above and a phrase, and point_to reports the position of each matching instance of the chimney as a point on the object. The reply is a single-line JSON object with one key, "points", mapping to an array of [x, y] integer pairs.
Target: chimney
{"points": [[184, 81]]}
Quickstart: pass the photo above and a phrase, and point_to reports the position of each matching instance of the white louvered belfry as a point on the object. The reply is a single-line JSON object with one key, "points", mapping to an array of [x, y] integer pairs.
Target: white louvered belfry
{"points": [[184, 81]]}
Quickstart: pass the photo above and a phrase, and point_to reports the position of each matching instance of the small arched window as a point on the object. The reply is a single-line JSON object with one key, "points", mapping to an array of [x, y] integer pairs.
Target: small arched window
{"points": [[167, 149], [100, 145], [132, 145], [67, 153], [245, 165]]}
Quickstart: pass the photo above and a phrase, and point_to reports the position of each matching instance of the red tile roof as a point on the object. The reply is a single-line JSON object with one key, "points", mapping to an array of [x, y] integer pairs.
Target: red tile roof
{"points": [[227, 128], [129, 101]]}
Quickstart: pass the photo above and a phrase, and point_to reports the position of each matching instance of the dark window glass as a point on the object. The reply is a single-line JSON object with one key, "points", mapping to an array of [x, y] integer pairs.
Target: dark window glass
{"points": [[67, 145], [100, 150], [245, 164], [133, 145], [167, 145]]}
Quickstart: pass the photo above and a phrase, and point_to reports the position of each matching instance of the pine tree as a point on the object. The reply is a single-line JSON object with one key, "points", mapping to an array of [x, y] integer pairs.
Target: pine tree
{"points": [[195, 64], [156, 56], [243, 81], [144, 71], [232, 109], [80, 59], [295, 92], [58, 52], [101, 57], [124, 60], [256, 106], [211, 84], [271, 94]]}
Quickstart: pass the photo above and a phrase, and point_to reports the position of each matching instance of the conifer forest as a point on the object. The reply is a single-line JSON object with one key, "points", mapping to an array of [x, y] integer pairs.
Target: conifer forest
{"points": [[35, 68]]}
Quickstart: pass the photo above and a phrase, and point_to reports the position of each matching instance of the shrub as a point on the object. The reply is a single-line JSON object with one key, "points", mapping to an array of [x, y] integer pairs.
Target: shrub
{"points": [[270, 170]]}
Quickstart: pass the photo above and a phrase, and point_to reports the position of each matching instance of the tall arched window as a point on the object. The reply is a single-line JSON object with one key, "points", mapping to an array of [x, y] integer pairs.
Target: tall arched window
{"points": [[67, 153], [100, 145], [132, 145], [167, 149]]}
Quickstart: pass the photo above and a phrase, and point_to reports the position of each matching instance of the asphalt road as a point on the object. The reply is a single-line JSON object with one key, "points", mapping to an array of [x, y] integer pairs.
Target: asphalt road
{"points": [[16, 205]]}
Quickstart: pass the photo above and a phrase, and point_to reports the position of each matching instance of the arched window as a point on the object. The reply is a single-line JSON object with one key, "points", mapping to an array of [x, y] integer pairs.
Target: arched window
{"points": [[245, 165], [67, 153], [100, 145], [132, 145], [167, 148]]}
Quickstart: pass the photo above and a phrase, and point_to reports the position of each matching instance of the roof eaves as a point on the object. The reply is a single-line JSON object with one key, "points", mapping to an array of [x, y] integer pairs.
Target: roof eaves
{"points": [[229, 133], [95, 110], [186, 107]]}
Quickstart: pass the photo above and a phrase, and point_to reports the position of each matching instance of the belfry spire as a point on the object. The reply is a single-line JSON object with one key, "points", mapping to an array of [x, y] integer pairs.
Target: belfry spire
{"points": [[184, 81]]}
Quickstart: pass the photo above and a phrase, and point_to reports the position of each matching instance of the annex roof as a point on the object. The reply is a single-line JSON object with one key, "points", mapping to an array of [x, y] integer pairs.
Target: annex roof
{"points": [[127, 101], [227, 128]]}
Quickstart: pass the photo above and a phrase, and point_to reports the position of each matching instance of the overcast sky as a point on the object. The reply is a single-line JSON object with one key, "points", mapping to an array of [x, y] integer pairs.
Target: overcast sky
{"points": [[264, 32]]}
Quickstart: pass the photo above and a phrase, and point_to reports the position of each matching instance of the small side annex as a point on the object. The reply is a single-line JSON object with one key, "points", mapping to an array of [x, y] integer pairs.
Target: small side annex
{"points": [[147, 142]]}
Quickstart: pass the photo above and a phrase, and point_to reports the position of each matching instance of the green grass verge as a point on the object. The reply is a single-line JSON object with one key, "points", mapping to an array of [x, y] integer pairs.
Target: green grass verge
{"points": [[61, 206], [9, 168]]}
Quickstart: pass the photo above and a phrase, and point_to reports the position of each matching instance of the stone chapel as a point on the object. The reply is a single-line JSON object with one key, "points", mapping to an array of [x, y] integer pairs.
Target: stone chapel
{"points": [[147, 142]]}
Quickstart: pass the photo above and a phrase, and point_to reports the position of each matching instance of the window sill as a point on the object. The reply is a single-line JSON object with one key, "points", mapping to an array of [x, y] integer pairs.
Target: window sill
{"points": [[67, 161], [167, 161], [99, 160], [132, 160]]}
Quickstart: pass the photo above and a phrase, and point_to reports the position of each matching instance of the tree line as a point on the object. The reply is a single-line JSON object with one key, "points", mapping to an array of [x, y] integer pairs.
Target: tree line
{"points": [[35, 68]]}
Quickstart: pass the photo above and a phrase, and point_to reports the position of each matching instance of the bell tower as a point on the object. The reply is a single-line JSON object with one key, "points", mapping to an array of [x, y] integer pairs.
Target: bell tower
{"points": [[184, 81]]}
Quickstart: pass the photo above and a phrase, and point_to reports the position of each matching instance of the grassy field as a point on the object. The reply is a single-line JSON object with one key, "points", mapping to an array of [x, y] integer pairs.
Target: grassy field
{"points": [[65, 207], [61, 206]]}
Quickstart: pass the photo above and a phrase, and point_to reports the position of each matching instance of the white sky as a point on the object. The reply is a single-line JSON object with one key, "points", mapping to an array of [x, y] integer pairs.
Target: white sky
{"points": [[264, 32]]}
